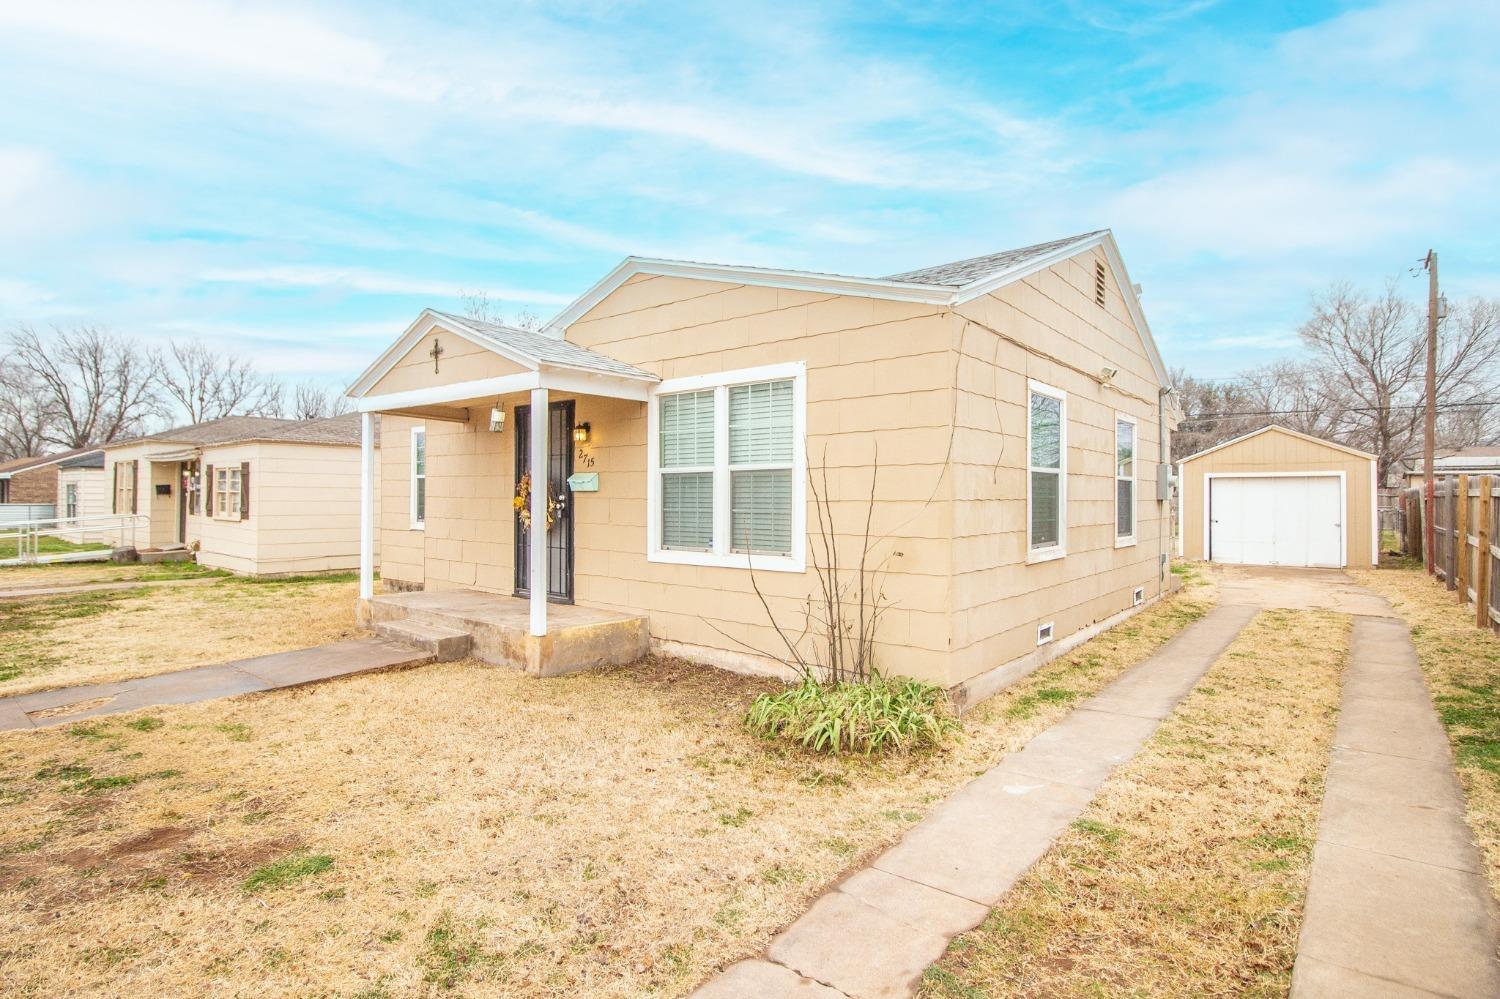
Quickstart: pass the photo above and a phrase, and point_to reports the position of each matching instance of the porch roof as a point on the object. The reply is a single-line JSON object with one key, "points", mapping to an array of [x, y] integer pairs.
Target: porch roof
{"points": [[548, 362]]}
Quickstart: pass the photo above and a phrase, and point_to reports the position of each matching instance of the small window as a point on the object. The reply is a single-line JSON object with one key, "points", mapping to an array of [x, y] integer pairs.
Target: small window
{"points": [[1125, 435], [418, 477], [1044, 633], [1099, 283], [1047, 468], [71, 501], [1137, 596], [227, 493]]}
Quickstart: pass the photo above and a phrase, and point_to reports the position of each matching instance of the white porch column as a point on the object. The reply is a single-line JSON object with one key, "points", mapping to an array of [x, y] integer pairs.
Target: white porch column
{"points": [[366, 505], [538, 576]]}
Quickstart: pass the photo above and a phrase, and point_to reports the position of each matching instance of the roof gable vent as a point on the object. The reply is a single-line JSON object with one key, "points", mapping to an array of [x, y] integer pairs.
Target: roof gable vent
{"points": [[1099, 283]]}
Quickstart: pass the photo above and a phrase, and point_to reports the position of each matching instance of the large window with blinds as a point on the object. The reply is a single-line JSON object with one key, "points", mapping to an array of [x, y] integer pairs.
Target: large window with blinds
{"points": [[728, 468], [1047, 473]]}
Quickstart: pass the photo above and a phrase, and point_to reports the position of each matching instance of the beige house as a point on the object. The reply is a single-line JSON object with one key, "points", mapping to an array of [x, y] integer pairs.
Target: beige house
{"points": [[256, 495], [696, 412], [1279, 497], [82, 497]]}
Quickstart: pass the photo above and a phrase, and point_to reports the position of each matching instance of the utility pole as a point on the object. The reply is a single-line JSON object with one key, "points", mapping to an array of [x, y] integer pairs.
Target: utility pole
{"points": [[1429, 444]]}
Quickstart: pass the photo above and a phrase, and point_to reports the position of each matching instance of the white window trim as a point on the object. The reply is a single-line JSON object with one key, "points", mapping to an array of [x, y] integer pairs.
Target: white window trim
{"points": [[720, 555], [230, 492], [1127, 540], [411, 480], [1059, 550]]}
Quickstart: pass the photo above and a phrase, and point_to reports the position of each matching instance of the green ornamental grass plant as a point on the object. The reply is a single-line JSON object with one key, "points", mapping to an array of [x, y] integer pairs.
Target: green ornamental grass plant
{"points": [[879, 715]]}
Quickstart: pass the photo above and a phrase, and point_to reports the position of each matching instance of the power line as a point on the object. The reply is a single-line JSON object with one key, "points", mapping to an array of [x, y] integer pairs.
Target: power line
{"points": [[1474, 404]]}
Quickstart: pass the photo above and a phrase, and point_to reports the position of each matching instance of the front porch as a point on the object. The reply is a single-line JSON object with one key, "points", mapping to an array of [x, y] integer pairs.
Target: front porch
{"points": [[499, 629]]}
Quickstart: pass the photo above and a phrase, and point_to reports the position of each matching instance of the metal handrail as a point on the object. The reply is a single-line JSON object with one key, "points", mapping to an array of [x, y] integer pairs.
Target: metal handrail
{"points": [[116, 530]]}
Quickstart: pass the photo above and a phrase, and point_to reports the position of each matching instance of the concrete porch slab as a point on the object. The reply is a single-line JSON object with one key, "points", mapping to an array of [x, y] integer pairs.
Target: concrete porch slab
{"points": [[577, 637]]}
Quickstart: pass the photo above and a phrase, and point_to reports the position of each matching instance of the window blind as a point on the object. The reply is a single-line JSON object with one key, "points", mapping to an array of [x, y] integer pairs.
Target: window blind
{"points": [[687, 510], [1044, 509], [761, 511], [760, 423], [687, 429]]}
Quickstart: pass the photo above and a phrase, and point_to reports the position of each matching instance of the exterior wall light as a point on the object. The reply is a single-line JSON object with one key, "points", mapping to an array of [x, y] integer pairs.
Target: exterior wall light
{"points": [[581, 433], [497, 418]]}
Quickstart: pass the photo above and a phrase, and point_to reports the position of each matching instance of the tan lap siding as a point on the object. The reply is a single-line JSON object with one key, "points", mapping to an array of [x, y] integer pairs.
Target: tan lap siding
{"points": [[401, 549], [999, 599], [305, 508]]}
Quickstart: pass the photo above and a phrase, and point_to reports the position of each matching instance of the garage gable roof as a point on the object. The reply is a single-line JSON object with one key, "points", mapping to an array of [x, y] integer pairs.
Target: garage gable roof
{"points": [[1279, 429]]}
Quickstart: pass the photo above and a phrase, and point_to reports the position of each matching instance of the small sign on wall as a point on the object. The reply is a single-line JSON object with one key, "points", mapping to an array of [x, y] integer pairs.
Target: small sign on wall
{"points": [[584, 482]]}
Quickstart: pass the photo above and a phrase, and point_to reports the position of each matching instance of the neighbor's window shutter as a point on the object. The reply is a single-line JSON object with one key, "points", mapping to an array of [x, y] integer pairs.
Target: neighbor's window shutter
{"points": [[135, 480], [208, 490], [687, 481], [114, 501], [244, 490]]}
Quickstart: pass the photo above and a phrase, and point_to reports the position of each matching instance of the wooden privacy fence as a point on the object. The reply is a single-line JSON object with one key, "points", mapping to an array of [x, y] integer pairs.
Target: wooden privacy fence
{"points": [[1466, 542]]}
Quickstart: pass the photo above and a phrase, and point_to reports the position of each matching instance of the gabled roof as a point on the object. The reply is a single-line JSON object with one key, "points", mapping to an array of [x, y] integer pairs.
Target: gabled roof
{"points": [[961, 273], [1280, 429], [27, 464], [948, 285], [528, 348], [330, 430], [84, 459]]}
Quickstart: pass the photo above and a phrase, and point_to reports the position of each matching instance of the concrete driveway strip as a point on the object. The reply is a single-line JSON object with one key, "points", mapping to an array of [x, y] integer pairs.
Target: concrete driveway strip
{"points": [[873, 935], [1397, 904]]}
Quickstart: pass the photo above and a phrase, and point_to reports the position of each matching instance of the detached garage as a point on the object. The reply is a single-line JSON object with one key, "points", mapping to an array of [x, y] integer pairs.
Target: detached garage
{"points": [[1278, 497]]}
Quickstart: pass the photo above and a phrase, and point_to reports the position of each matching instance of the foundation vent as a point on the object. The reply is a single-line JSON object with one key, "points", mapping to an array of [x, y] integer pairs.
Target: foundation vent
{"points": [[1044, 633], [1138, 596]]}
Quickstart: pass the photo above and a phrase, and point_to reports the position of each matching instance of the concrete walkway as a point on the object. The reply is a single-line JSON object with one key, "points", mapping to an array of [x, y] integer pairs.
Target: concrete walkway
{"points": [[37, 592], [204, 683], [1398, 904], [873, 935]]}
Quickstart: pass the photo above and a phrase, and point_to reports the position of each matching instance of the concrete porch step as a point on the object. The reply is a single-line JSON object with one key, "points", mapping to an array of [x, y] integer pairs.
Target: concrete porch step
{"points": [[444, 643]]}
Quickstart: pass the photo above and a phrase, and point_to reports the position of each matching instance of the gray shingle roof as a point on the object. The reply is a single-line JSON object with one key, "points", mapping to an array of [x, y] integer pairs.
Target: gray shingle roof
{"points": [[42, 460], [964, 272], [331, 430], [87, 459], [230, 428], [547, 349]]}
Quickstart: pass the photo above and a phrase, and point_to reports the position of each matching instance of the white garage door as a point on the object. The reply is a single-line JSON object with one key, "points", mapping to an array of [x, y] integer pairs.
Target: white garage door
{"points": [[1296, 520]]}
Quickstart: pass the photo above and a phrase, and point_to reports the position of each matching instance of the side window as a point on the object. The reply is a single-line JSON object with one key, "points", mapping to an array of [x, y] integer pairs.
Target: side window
{"points": [[1125, 434], [1047, 473], [418, 477]]}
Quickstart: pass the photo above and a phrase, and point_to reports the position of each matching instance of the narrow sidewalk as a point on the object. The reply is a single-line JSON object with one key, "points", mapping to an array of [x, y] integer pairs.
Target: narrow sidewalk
{"points": [[71, 589], [204, 683], [873, 935], [1398, 904]]}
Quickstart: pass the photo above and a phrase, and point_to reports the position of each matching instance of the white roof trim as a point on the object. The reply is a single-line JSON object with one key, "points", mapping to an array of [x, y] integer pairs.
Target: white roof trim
{"points": [[835, 284], [418, 330], [1286, 430]]}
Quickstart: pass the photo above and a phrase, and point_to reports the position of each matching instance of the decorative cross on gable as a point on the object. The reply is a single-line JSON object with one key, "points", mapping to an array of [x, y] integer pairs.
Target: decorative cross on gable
{"points": [[435, 353]]}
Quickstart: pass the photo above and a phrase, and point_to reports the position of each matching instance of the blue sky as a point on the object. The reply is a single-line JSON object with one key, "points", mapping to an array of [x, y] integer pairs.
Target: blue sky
{"points": [[297, 181]]}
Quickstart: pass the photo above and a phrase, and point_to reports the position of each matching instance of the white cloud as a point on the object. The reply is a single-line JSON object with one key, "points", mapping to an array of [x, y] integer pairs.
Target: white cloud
{"points": [[369, 282]]}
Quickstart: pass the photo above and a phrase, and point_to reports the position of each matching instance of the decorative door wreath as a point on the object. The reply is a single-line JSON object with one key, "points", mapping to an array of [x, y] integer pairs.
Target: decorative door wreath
{"points": [[522, 502]]}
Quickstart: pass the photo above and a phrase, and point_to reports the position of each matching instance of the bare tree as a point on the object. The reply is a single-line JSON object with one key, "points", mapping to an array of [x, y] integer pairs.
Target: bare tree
{"points": [[96, 387], [1211, 412], [209, 385], [1370, 354], [25, 415], [478, 305], [311, 401]]}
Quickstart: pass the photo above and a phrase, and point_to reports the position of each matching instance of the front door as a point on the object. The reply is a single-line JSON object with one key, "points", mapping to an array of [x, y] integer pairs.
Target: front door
{"points": [[559, 467]]}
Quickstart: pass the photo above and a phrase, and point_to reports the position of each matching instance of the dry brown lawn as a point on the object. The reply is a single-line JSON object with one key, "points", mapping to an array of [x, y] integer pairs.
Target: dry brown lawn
{"points": [[1462, 666], [1187, 873], [115, 635], [459, 829]]}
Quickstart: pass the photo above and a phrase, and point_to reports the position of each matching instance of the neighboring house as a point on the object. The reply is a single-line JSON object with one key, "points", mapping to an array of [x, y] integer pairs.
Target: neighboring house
{"points": [[1448, 461], [1015, 399], [33, 480], [1279, 497], [83, 498], [259, 496]]}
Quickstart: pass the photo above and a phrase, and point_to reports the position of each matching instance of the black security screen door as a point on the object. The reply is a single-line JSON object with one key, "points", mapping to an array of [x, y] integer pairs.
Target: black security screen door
{"points": [[559, 467]]}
